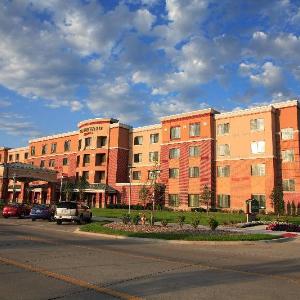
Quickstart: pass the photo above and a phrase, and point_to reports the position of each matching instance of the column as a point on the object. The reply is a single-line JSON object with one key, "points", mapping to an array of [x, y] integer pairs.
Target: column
{"points": [[97, 202], [4, 189], [24, 192], [50, 193]]}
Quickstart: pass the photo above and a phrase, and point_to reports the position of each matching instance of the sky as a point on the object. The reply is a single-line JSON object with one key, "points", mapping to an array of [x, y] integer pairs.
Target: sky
{"points": [[62, 62]]}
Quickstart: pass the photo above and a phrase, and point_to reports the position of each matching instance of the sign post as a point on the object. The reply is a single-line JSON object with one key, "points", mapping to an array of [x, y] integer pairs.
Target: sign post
{"points": [[252, 208]]}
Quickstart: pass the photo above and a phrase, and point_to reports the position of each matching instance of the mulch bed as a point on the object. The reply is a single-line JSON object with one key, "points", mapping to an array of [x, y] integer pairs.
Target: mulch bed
{"points": [[163, 229]]}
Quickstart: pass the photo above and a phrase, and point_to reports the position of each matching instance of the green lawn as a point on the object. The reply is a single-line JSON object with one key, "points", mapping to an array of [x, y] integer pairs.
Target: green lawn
{"points": [[171, 216], [97, 227]]}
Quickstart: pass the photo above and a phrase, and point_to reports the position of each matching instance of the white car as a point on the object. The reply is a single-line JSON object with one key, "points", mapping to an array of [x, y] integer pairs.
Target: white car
{"points": [[68, 211]]}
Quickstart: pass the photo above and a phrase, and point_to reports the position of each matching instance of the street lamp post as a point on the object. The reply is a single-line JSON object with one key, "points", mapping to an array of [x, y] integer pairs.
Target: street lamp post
{"points": [[60, 189], [14, 186], [130, 178]]}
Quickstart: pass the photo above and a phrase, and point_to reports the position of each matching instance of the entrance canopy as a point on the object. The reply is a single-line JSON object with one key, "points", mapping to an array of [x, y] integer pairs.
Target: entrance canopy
{"points": [[26, 172]]}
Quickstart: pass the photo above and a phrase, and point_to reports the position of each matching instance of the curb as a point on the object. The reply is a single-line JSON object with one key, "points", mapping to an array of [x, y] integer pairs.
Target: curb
{"points": [[181, 242]]}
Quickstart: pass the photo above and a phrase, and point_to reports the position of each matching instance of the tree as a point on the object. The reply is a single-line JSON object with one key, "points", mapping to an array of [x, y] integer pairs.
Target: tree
{"points": [[205, 197], [67, 189], [277, 200], [298, 209], [81, 184], [293, 208], [144, 194], [288, 208], [159, 193]]}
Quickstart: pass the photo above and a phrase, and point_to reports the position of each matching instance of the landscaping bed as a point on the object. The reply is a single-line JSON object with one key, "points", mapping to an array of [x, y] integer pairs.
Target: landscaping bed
{"points": [[171, 232]]}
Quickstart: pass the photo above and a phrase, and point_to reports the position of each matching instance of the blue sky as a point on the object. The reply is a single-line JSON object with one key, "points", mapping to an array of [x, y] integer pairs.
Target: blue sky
{"points": [[65, 61]]}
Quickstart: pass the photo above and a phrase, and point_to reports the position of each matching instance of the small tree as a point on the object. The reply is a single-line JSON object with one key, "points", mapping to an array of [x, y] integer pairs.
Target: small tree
{"points": [[293, 208], [298, 209], [144, 194], [81, 184], [288, 208], [277, 200], [67, 189], [206, 197]]}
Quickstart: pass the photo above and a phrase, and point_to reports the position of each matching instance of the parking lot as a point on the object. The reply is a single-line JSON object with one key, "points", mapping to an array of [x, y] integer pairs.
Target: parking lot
{"points": [[41, 260]]}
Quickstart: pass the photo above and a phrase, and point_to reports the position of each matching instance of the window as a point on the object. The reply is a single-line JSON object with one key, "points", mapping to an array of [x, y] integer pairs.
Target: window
{"points": [[51, 163], [288, 184], [154, 137], [26, 155], [65, 161], [223, 201], [223, 129], [136, 175], [101, 141], [79, 145], [78, 161], [100, 159], [258, 170], [153, 174], [193, 200], [137, 157], [153, 156], [85, 175], [10, 157], [223, 171], [288, 155], [44, 149], [42, 164], [194, 151], [53, 147], [174, 173], [174, 153], [138, 140], [261, 200], [87, 143], [86, 159], [194, 172], [67, 145], [257, 124], [195, 129], [32, 150], [175, 133], [223, 150], [99, 176], [287, 134], [173, 200], [17, 157], [258, 147]]}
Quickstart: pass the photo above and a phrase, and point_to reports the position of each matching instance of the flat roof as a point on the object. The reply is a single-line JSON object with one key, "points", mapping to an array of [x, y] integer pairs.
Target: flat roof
{"points": [[188, 114], [55, 136]]}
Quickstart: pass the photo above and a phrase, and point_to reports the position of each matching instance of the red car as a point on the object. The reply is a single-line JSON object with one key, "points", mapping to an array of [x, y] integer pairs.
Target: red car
{"points": [[16, 210]]}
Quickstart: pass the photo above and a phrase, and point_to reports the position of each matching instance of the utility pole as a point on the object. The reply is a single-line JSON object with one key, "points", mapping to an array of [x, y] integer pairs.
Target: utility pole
{"points": [[130, 167], [14, 187], [60, 190]]}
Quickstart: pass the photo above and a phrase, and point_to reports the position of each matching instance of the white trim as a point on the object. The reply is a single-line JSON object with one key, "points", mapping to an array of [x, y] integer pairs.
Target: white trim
{"points": [[189, 114], [55, 136], [18, 149], [247, 158], [132, 183], [114, 125], [119, 148], [53, 154], [146, 128], [137, 165], [187, 141], [81, 123]]}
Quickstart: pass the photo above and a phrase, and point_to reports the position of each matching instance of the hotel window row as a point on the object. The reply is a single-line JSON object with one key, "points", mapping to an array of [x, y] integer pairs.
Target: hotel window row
{"points": [[153, 157], [100, 159], [257, 147], [101, 142], [194, 131], [154, 138], [194, 151], [53, 148], [194, 172], [17, 157], [99, 176], [256, 170]]}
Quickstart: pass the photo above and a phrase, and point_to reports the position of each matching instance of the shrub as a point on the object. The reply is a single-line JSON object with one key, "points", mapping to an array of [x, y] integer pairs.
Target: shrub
{"points": [[135, 219], [198, 209], [180, 220], [293, 208], [195, 222], [213, 223], [164, 222], [2, 204], [126, 219], [288, 208], [283, 227]]}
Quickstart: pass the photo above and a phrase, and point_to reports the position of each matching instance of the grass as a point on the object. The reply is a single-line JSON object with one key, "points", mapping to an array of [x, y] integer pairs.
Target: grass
{"points": [[171, 216], [97, 227]]}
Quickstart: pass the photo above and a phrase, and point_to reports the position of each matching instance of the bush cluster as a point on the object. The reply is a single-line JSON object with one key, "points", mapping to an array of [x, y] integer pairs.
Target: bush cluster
{"points": [[283, 227], [213, 223]]}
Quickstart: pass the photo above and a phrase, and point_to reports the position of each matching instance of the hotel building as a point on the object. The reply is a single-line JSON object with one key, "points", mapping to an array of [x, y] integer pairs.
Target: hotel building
{"points": [[239, 155]]}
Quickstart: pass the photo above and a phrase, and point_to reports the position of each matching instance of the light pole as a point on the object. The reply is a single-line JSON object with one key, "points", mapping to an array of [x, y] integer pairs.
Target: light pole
{"points": [[14, 187], [130, 167], [60, 189]]}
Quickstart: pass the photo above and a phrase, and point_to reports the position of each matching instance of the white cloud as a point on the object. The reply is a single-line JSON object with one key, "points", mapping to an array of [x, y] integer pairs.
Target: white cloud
{"points": [[143, 20], [4, 103], [76, 105]]}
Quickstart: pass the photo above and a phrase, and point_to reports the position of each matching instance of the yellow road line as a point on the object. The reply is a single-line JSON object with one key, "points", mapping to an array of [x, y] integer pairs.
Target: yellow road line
{"points": [[69, 279]]}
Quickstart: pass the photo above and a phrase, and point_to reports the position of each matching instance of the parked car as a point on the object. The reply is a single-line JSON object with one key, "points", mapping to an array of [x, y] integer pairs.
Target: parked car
{"points": [[42, 211], [16, 210], [68, 211]]}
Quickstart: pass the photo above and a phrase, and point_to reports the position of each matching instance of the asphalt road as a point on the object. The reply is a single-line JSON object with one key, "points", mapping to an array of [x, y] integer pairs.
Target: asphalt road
{"points": [[41, 260]]}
